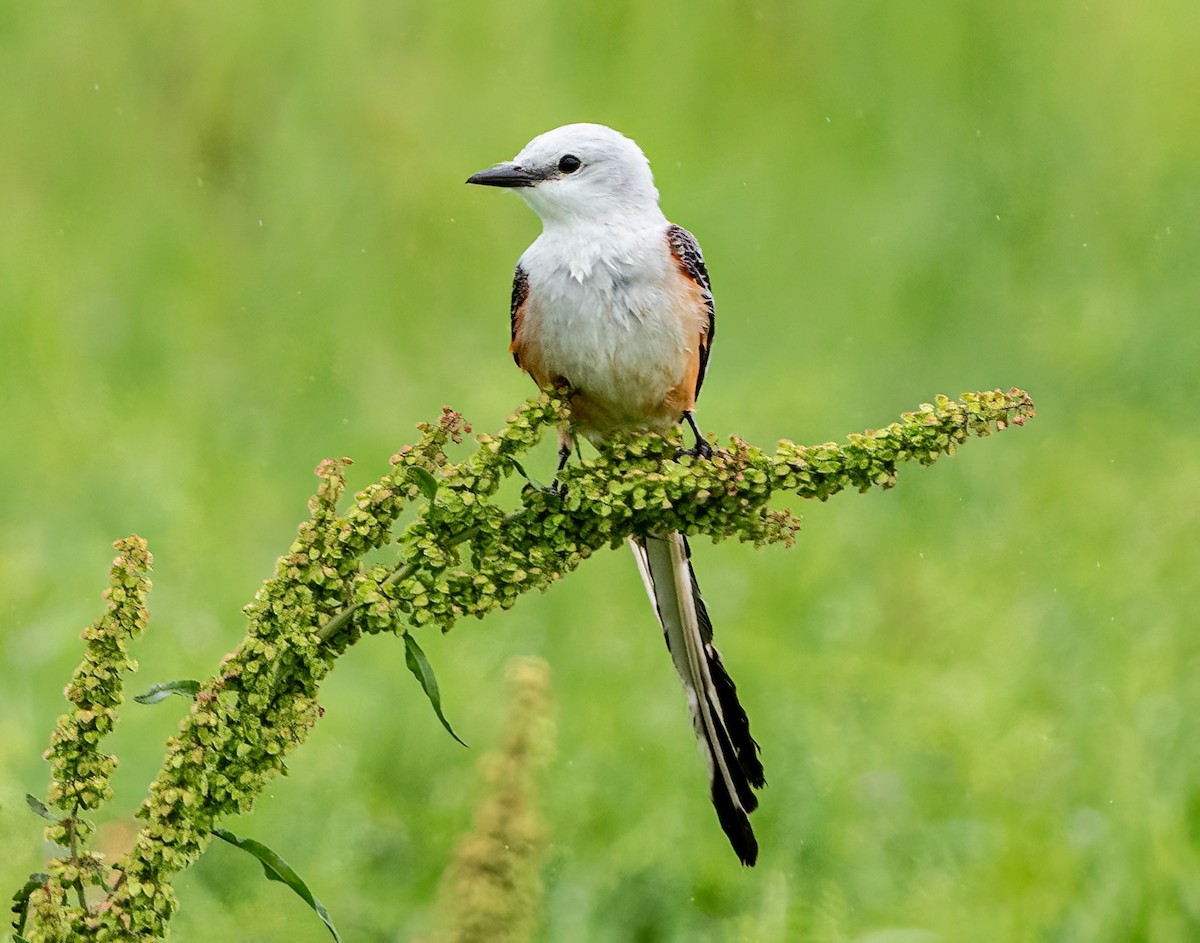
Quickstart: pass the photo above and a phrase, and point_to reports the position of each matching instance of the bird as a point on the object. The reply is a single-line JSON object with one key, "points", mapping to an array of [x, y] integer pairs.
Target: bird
{"points": [[613, 303]]}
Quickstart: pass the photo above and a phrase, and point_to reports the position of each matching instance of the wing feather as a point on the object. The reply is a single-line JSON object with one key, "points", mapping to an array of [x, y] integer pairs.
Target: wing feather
{"points": [[520, 295], [690, 260]]}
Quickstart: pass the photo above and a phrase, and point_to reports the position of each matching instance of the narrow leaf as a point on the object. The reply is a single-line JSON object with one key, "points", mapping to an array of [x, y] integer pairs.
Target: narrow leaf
{"points": [[425, 481], [519, 467], [276, 869], [419, 665], [160, 692], [40, 808]]}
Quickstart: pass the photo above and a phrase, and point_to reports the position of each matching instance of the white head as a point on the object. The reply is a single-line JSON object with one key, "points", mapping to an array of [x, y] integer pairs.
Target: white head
{"points": [[579, 173]]}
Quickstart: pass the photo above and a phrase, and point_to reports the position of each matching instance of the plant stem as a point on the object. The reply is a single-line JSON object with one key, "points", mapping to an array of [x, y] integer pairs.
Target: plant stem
{"points": [[75, 855]]}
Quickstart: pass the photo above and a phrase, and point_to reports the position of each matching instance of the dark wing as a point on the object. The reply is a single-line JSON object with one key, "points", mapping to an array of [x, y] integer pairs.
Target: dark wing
{"points": [[520, 294], [686, 251]]}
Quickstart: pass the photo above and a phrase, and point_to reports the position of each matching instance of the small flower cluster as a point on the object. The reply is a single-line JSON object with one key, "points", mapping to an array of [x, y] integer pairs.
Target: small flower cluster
{"points": [[869, 459], [635, 485], [430, 584], [245, 721], [79, 770], [462, 555]]}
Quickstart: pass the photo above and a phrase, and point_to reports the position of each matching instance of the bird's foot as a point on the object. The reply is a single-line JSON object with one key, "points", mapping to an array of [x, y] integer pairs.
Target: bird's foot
{"points": [[556, 489], [700, 450]]}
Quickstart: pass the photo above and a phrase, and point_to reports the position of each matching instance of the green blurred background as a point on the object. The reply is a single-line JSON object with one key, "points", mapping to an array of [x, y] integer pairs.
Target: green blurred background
{"points": [[234, 240]]}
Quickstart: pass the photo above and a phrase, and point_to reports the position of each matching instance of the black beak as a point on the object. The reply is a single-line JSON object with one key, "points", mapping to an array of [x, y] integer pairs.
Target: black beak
{"points": [[504, 175]]}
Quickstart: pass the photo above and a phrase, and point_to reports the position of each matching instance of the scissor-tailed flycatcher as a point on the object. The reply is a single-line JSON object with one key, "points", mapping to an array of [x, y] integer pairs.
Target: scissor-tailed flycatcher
{"points": [[614, 301]]}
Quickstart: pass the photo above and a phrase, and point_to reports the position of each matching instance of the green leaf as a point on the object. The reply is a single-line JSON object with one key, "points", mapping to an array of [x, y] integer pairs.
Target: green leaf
{"points": [[519, 468], [276, 869], [160, 692], [40, 808], [425, 481], [21, 903], [419, 665]]}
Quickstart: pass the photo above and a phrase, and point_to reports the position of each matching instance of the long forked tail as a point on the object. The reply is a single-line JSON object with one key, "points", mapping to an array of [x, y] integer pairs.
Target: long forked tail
{"points": [[734, 769]]}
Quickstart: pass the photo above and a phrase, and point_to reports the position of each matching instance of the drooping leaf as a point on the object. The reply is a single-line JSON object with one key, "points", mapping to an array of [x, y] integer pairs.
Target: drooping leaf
{"points": [[276, 869], [184, 687], [40, 808], [419, 665], [520, 469], [425, 481]]}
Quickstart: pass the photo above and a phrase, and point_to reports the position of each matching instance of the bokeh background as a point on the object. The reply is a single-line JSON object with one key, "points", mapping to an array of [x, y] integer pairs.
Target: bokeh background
{"points": [[234, 240]]}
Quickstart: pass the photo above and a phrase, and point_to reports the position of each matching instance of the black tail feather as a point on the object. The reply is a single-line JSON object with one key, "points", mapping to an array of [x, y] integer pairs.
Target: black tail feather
{"points": [[736, 719], [735, 823]]}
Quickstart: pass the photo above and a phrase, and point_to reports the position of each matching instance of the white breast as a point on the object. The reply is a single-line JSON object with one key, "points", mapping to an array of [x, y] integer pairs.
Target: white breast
{"points": [[603, 308]]}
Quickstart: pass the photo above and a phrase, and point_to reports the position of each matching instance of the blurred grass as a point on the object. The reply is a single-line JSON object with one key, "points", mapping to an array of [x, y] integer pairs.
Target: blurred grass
{"points": [[235, 240]]}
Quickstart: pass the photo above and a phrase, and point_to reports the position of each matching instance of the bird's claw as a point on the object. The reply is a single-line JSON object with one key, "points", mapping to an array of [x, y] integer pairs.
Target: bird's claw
{"points": [[700, 450]]}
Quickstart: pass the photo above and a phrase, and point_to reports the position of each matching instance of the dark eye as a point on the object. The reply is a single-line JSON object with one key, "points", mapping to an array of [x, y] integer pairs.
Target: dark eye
{"points": [[569, 163]]}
